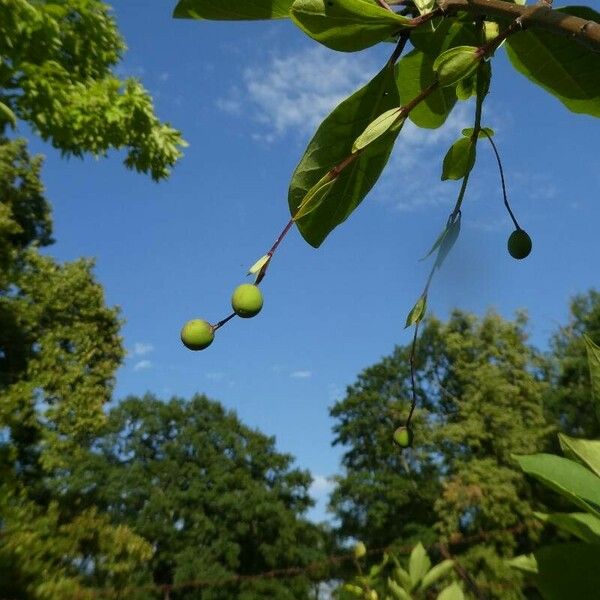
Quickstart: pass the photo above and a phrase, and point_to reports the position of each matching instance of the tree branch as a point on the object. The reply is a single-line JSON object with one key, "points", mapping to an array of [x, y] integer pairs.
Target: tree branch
{"points": [[542, 17]]}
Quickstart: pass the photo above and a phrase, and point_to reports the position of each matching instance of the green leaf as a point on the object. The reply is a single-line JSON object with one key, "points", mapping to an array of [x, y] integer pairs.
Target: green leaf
{"points": [[418, 564], [455, 64], [377, 128], [7, 115], [240, 10], [439, 35], [459, 159], [314, 198], [398, 592], [452, 592], [568, 478], [259, 264], [346, 25], [436, 573], [582, 525], [525, 563], [559, 64], [586, 452], [415, 73], [331, 144], [468, 132], [416, 312], [568, 571], [593, 354]]}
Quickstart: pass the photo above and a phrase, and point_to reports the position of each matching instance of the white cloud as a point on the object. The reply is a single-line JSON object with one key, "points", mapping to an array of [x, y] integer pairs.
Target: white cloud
{"points": [[301, 374], [295, 92], [140, 348], [142, 365], [321, 486]]}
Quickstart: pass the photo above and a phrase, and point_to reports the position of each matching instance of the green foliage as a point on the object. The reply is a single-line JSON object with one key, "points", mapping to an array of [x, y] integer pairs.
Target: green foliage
{"points": [[346, 25], [218, 10], [188, 475], [459, 159], [56, 73], [331, 144], [560, 65], [391, 580]]}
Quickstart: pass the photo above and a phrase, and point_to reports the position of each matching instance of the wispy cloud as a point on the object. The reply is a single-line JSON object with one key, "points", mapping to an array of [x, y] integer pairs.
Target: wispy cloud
{"points": [[141, 348], [142, 365], [293, 93], [301, 374]]}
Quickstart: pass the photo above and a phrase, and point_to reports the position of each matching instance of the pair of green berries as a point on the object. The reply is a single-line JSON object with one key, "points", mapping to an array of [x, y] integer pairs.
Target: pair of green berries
{"points": [[246, 301]]}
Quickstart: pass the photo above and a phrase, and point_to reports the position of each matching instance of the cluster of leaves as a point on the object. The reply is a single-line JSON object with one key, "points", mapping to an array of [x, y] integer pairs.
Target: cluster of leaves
{"points": [[569, 570], [56, 61], [389, 580]]}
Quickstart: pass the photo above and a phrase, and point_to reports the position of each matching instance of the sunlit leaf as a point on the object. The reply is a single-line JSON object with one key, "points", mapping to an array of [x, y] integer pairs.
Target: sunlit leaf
{"points": [[222, 10], [416, 312]]}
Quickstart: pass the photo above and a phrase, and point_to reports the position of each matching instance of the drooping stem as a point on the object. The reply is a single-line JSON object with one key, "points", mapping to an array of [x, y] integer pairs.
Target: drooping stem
{"points": [[504, 194]]}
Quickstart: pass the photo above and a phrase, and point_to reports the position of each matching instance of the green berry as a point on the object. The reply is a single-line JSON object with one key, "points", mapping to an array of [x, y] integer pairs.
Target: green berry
{"points": [[403, 436], [519, 244], [197, 334], [247, 300], [359, 550]]}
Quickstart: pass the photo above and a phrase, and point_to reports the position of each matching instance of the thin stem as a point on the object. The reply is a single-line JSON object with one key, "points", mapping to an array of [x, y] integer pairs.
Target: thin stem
{"points": [[463, 573], [504, 194], [413, 385], [404, 37], [223, 321]]}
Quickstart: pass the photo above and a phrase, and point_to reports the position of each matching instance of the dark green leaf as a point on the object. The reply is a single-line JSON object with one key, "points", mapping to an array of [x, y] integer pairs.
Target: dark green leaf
{"points": [[459, 160], [569, 571], [415, 73], [438, 35], [222, 10], [331, 144], [567, 477], [346, 25], [560, 65]]}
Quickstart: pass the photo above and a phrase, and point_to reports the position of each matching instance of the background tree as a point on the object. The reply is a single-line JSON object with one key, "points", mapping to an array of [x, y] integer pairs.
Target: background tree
{"points": [[569, 401], [481, 391], [212, 496]]}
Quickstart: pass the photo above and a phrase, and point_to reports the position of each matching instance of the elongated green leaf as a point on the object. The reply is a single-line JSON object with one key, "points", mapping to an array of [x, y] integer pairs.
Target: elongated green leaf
{"points": [[346, 25], [452, 592], [313, 198], [397, 592], [418, 564], [593, 354], [415, 73], [448, 241], [455, 64], [459, 159], [525, 563], [377, 128], [567, 477], [582, 525], [436, 573], [586, 452], [331, 144], [416, 312], [560, 64], [568, 571], [233, 10], [7, 115]]}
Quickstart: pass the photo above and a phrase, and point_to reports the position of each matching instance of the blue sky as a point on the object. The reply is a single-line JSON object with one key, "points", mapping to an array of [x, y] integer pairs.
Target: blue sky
{"points": [[247, 97]]}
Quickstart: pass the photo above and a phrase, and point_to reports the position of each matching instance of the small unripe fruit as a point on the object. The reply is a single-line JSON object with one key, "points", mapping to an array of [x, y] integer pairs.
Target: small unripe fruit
{"points": [[197, 334], [247, 300], [519, 244], [403, 436], [359, 550]]}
